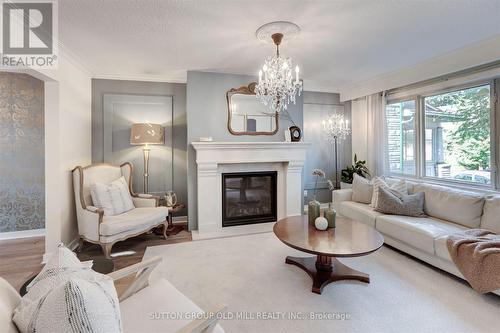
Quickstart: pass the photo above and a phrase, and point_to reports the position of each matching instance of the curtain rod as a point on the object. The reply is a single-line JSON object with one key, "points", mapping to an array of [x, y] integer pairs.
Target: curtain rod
{"points": [[446, 77]]}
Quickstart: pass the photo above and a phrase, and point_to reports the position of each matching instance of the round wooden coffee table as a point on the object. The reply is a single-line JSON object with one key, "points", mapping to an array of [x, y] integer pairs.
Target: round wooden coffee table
{"points": [[348, 239]]}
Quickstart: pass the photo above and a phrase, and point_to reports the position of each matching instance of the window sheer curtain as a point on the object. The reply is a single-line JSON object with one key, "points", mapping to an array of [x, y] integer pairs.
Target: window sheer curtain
{"points": [[376, 135]]}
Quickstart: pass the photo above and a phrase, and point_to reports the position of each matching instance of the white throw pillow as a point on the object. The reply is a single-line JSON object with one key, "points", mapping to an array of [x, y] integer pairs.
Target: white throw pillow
{"points": [[68, 295], [399, 186], [362, 189], [114, 198]]}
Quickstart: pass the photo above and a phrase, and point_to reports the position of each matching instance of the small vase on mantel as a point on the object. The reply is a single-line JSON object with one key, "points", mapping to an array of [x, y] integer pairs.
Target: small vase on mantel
{"points": [[313, 211], [330, 215]]}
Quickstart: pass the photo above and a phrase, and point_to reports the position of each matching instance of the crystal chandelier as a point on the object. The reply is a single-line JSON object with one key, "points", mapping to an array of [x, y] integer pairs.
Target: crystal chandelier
{"points": [[336, 127], [277, 85]]}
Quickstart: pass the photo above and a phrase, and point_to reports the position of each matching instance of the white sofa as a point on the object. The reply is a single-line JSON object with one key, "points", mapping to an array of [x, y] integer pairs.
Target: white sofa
{"points": [[449, 210], [141, 305]]}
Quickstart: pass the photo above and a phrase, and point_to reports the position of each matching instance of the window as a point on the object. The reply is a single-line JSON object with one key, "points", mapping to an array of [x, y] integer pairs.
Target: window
{"points": [[450, 132], [457, 127], [401, 137]]}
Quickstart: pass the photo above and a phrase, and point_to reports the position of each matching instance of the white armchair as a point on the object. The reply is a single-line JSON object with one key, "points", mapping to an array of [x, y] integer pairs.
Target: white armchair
{"points": [[95, 227]]}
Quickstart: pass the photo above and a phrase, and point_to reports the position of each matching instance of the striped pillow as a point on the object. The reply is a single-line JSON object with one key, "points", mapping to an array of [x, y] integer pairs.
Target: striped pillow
{"points": [[114, 198], [399, 186], [68, 296]]}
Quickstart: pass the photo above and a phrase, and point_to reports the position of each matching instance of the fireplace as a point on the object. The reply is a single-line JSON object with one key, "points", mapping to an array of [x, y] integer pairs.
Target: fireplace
{"points": [[248, 198]]}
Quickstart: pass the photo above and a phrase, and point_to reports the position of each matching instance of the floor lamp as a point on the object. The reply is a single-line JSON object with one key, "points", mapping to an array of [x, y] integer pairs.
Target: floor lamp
{"points": [[335, 128], [146, 134]]}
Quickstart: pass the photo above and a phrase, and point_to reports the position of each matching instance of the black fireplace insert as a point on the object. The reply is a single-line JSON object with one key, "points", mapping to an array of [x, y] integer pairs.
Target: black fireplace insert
{"points": [[248, 198]]}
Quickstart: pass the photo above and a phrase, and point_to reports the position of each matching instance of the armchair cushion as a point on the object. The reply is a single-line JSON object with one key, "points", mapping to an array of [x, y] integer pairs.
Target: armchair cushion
{"points": [[136, 219], [114, 198], [148, 309]]}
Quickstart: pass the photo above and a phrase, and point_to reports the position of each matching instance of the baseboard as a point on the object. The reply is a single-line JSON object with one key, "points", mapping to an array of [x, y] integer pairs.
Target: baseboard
{"points": [[22, 234]]}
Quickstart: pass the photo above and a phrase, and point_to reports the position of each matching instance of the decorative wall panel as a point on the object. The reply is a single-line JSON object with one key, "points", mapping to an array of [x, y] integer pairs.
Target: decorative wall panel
{"points": [[22, 153]]}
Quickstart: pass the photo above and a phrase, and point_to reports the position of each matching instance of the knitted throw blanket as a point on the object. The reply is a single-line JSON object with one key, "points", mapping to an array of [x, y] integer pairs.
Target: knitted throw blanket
{"points": [[476, 253]]}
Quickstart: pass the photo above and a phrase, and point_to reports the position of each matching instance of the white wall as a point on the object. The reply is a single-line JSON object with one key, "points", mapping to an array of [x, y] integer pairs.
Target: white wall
{"points": [[472, 55], [67, 144]]}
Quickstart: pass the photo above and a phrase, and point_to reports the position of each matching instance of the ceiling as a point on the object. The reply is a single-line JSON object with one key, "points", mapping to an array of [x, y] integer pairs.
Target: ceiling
{"points": [[342, 42]]}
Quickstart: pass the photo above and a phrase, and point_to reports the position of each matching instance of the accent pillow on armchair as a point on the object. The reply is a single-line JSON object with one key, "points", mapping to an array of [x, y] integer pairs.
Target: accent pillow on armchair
{"points": [[114, 198]]}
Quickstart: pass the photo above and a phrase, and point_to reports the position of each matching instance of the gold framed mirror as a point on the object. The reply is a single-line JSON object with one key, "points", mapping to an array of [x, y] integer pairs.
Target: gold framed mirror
{"points": [[247, 115]]}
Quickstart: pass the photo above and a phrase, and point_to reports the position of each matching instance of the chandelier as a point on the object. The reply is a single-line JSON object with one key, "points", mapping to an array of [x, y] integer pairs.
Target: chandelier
{"points": [[336, 127], [279, 82]]}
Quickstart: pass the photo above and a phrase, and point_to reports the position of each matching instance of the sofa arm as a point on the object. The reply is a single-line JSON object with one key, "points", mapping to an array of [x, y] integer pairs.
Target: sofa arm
{"points": [[142, 271], [338, 196], [342, 195], [145, 200], [206, 324]]}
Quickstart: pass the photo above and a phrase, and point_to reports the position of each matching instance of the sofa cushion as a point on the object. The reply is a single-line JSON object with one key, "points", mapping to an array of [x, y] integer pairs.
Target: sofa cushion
{"points": [[417, 232], [148, 309], [453, 205], [378, 182], [135, 219], [393, 202], [68, 296], [491, 214], [362, 189], [359, 212]]}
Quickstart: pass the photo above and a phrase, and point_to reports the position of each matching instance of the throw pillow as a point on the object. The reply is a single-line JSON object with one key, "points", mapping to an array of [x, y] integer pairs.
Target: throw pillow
{"points": [[67, 296], [393, 202], [114, 198], [362, 189], [378, 182]]}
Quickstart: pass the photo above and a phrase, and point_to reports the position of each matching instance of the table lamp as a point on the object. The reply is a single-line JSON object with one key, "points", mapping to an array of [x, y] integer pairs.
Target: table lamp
{"points": [[146, 134]]}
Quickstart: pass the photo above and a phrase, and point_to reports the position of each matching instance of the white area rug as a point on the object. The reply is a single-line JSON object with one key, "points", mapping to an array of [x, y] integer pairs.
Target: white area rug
{"points": [[248, 273]]}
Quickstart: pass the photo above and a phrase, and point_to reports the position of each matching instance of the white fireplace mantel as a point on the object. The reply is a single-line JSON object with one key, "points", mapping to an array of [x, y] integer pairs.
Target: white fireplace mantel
{"points": [[215, 158]]}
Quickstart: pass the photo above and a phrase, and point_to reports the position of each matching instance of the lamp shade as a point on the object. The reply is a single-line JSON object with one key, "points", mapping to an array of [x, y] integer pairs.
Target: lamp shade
{"points": [[146, 133]]}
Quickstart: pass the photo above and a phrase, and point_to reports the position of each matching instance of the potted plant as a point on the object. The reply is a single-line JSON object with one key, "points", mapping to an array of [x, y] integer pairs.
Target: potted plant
{"points": [[347, 174]]}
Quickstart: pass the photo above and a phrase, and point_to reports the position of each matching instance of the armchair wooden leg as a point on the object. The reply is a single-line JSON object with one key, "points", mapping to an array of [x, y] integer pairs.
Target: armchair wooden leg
{"points": [[165, 227], [106, 248]]}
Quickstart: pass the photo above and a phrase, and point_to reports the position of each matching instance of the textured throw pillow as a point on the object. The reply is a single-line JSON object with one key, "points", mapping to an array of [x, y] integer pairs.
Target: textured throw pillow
{"points": [[114, 198], [67, 296], [393, 202], [362, 189], [378, 182]]}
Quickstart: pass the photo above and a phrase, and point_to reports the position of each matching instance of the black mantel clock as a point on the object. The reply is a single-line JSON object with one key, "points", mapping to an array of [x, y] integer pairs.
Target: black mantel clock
{"points": [[295, 133]]}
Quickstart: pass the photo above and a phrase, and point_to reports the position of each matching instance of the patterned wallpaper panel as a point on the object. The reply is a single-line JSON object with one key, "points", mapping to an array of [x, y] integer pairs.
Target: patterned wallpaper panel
{"points": [[22, 153]]}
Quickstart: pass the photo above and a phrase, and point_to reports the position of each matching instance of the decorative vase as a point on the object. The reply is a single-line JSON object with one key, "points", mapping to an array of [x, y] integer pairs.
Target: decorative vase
{"points": [[313, 211], [321, 223], [344, 186], [330, 215]]}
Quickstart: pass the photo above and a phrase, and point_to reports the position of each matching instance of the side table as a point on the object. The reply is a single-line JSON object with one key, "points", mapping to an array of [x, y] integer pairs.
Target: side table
{"points": [[174, 229]]}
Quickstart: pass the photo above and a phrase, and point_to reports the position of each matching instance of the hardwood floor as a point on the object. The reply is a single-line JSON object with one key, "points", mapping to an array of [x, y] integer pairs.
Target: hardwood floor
{"points": [[21, 258]]}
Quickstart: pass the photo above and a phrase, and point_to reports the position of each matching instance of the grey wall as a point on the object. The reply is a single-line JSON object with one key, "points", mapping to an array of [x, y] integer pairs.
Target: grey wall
{"points": [[22, 153], [207, 116], [320, 155], [179, 127]]}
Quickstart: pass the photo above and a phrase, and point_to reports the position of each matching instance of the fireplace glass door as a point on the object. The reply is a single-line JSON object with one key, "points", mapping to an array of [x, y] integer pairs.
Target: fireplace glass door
{"points": [[248, 197]]}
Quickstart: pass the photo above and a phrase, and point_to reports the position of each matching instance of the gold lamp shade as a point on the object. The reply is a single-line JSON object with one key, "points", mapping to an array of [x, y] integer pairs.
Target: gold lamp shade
{"points": [[147, 134]]}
